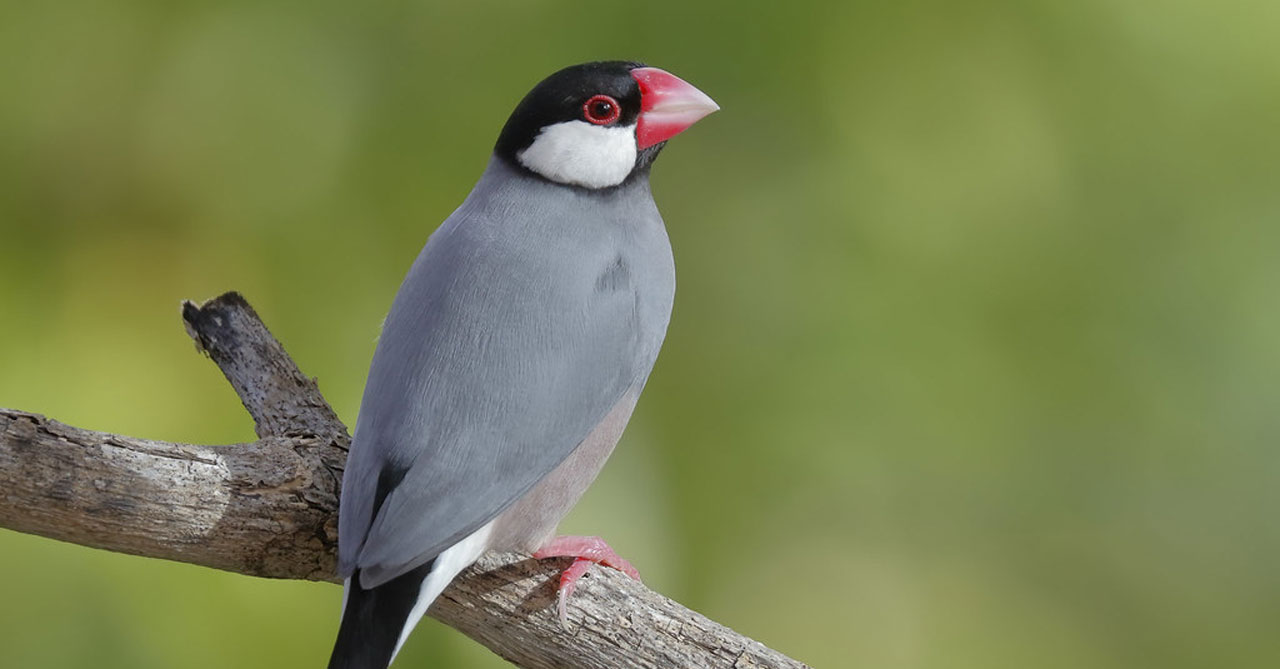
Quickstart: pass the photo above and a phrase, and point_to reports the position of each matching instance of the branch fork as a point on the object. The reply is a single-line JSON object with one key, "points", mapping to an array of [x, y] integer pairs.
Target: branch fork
{"points": [[269, 508]]}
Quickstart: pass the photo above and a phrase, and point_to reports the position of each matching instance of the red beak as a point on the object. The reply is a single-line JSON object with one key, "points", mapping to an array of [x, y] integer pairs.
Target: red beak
{"points": [[668, 105]]}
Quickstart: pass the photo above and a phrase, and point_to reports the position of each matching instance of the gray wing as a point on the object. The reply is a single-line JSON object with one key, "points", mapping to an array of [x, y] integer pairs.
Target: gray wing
{"points": [[500, 354]]}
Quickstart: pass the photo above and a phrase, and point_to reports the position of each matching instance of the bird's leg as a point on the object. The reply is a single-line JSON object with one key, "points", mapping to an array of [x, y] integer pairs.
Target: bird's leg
{"points": [[584, 551]]}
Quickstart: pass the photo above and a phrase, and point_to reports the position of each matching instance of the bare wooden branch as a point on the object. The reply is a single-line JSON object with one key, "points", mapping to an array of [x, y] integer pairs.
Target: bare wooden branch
{"points": [[269, 508], [264, 508], [282, 400]]}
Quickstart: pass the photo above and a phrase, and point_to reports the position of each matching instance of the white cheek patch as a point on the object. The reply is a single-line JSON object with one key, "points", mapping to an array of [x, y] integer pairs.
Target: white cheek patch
{"points": [[582, 154]]}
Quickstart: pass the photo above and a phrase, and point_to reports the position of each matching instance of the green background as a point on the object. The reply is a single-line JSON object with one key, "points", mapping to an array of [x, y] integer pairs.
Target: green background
{"points": [[975, 359]]}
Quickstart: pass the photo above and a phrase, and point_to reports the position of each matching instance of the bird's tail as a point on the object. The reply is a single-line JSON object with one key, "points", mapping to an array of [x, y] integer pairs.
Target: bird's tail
{"points": [[375, 621]]}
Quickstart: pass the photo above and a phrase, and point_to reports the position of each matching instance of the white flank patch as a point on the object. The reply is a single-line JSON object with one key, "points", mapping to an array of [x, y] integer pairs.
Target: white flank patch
{"points": [[448, 564], [346, 590], [582, 154]]}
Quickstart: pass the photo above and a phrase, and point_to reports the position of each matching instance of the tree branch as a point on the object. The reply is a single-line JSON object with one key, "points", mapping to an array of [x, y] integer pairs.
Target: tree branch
{"points": [[269, 508]]}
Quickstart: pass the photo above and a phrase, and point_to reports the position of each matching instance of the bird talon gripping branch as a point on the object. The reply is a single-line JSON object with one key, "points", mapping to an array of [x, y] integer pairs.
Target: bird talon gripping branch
{"points": [[514, 352], [585, 551]]}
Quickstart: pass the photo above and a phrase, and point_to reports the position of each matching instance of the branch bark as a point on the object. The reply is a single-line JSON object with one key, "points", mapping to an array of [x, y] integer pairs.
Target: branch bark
{"points": [[269, 508]]}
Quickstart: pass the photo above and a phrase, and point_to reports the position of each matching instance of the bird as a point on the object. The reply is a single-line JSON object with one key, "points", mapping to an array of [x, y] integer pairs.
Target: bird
{"points": [[513, 353]]}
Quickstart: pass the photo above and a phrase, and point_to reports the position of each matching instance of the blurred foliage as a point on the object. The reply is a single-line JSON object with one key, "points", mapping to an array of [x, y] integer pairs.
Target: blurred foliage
{"points": [[975, 359]]}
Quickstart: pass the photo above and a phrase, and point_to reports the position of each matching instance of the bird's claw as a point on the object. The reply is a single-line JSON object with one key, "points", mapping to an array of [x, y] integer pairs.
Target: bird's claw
{"points": [[585, 551]]}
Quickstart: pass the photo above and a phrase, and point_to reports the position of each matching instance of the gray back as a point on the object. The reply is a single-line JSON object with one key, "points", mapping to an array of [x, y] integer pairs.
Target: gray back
{"points": [[528, 314]]}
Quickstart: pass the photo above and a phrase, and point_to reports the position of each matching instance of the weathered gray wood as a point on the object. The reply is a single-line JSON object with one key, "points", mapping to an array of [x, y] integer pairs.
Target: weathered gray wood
{"points": [[508, 603], [282, 400], [264, 508], [269, 508]]}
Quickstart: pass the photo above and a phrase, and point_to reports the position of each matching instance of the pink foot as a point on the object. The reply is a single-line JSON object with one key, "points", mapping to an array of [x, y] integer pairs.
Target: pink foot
{"points": [[584, 550]]}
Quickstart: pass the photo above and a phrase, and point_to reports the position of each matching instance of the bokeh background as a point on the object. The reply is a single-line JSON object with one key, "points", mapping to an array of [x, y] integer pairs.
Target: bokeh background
{"points": [[975, 358]]}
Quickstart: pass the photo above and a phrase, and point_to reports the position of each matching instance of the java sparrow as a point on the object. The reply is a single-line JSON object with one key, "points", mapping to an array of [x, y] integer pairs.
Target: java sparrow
{"points": [[514, 352]]}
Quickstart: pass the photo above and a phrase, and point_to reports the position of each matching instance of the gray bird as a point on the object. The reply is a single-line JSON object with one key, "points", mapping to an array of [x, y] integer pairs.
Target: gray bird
{"points": [[513, 354]]}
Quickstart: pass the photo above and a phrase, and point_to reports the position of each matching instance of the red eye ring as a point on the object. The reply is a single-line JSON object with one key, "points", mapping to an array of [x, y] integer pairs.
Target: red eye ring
{"points": [[601, 110]]}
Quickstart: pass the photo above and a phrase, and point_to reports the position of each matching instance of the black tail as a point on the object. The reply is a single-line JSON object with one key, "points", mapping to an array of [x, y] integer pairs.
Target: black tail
{"points": [[373, 620]]}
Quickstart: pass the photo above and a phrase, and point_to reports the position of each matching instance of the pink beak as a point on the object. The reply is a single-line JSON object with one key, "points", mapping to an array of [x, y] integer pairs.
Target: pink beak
{"points": [[668, 106]]}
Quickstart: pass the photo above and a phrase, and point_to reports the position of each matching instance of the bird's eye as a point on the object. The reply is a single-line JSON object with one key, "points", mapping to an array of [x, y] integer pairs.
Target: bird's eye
{"points": [[601, 110]]}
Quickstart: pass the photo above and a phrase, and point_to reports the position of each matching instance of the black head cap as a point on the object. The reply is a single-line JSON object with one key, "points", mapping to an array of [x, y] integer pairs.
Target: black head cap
{"points": [[561, 97]]}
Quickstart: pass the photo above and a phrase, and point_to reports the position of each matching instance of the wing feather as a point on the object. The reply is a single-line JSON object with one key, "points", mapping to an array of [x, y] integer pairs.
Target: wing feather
{"points": [[500, 354]]}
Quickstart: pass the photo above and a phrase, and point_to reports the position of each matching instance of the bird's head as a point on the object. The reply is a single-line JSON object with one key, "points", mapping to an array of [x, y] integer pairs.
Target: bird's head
{"points": [[595, 125]]}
